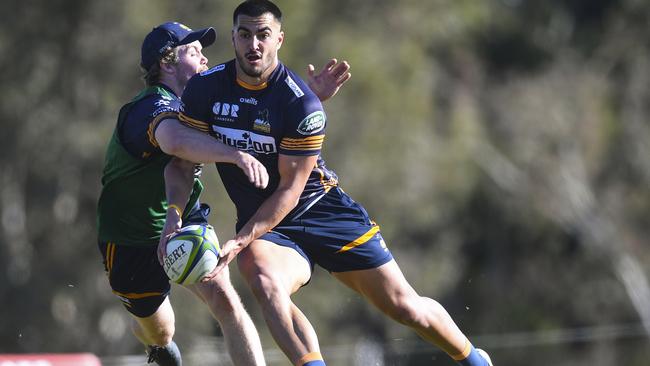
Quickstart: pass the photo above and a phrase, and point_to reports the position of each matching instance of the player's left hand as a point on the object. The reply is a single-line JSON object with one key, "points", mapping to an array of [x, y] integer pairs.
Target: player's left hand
{"points": [[173, 224], [330, 79], [227, 253]]}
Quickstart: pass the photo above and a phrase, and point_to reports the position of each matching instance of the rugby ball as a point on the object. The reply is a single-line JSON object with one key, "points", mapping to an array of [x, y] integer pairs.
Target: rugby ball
{"points": [[192, 253]]}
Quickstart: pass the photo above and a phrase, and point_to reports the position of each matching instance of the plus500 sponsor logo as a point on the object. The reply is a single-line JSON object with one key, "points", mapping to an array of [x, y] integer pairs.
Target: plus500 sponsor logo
{"points": [[245, 140]]}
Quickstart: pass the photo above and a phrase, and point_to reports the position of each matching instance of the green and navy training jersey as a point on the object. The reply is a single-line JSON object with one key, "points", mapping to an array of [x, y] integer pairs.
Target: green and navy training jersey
{"points": [[132, 206], [281, 116]]}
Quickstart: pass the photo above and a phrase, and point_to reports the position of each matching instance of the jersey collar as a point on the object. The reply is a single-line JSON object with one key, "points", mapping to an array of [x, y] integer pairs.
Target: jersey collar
{"points": [[170, 90], [248, 86], [272, 79]]}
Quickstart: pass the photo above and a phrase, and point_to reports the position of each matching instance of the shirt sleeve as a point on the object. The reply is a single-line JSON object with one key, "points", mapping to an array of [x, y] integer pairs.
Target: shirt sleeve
{"points": [[195, 107], [137, 131], [305, 127]]}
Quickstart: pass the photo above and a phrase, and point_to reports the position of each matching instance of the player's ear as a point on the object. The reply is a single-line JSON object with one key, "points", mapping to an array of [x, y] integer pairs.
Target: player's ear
{"points": [[167, 68], [280, 39]]}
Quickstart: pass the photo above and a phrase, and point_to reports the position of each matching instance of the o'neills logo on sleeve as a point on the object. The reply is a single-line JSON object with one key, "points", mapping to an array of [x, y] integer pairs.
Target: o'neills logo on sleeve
{"points": [[312, 124], [294, 87]]}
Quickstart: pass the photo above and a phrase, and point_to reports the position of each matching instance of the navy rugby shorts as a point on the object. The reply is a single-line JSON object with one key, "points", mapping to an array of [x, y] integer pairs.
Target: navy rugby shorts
{"points": [[136, 276], [336, 233]]}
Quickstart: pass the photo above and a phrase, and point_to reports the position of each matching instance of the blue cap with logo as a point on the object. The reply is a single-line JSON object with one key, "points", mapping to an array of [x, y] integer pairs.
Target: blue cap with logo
{"points": [[170, 35]]}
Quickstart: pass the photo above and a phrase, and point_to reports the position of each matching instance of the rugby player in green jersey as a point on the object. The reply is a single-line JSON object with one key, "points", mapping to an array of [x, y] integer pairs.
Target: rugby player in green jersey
{"points": [[133, 211]]}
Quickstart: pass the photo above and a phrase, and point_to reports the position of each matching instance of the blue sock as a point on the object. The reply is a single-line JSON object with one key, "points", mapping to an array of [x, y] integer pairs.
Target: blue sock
{"points": [[473, 359], [315, 363]]}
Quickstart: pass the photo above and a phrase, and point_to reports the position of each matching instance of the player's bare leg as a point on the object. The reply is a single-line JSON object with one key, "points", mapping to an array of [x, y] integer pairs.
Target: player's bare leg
{"points": [[156, 332], [273, 273], [388, 290], [157, 328], [242, 339]]}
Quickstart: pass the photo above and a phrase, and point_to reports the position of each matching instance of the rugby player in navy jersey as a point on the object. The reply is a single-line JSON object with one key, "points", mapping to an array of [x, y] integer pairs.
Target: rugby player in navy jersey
{"points": [[302, 218], [140, 172]]}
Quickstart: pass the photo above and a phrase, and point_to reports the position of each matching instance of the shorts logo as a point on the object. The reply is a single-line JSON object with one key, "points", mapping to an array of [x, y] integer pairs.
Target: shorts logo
{"points": [[294, 87], [125, 300], [382, 243], [262, 123], [312, 124]]}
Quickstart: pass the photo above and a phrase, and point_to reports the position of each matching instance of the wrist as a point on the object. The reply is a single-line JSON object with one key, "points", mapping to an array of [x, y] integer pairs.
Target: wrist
{"points": [[175, 208], [244, 239], [238, 158]]}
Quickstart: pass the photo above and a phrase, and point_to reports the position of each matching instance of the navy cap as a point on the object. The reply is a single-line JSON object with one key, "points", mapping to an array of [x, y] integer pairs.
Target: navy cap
{"points": [[170, 35]]}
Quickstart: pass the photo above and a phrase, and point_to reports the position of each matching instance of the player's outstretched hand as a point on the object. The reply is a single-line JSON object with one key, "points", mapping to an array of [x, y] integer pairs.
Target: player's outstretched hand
{"points": [[227, 253], [173, 224], [330, 79], [254, 170]]}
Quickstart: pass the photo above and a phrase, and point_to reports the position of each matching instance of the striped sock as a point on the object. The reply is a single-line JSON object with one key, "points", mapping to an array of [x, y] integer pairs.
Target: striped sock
{"points": [[311, 359], [470, 357]]}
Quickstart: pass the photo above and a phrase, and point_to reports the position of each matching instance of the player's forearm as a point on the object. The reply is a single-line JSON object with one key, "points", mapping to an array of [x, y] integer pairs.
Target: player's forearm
{"points": [[193, 145], [179, 179], [294, 171]]}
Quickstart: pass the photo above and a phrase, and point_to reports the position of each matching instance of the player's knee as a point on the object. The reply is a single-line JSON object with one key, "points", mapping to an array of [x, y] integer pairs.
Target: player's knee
{"points": [[222, 297], [162, 336], [153, 333], [408, 311]]}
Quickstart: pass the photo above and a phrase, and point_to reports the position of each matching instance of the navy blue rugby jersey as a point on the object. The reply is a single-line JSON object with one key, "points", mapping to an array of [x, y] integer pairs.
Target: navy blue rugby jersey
{"points": [[281, 116], [136, 132]]}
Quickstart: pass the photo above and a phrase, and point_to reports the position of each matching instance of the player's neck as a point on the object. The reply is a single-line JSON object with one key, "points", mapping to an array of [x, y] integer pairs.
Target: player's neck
{"points": [[254, 81], [172, 84]]}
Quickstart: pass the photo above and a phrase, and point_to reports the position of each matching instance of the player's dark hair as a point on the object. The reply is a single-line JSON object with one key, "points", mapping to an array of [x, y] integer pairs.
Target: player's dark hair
{"points": [[255, 8], [152, 76]]}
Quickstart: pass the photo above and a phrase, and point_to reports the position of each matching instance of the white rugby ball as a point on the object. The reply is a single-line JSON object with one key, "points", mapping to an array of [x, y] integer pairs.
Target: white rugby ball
{"points": [[192, 253]]}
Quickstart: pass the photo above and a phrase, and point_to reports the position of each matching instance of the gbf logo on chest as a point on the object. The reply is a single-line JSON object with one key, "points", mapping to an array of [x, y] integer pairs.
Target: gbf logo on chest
{"points": [[225, 109]]}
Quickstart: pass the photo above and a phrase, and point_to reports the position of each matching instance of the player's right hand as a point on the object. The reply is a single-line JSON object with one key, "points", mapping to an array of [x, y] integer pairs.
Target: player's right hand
{"points": [[227, 253], [254, 170]]}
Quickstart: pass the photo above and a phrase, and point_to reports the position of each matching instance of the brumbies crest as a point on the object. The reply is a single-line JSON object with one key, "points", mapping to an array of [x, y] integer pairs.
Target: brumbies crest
{"points": [[312, 124], [261, 123]]}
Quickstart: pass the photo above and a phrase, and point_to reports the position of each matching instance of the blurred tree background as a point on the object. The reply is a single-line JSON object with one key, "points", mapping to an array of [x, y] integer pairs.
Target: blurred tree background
{"points": [[502, 145]]}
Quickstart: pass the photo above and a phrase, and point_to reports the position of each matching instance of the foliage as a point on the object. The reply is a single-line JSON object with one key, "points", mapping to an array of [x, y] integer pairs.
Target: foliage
{"points": [[501, 145]]}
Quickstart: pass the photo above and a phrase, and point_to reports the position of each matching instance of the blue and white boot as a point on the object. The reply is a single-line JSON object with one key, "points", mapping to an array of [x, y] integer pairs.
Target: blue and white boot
{"points": [[485, 356]]}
